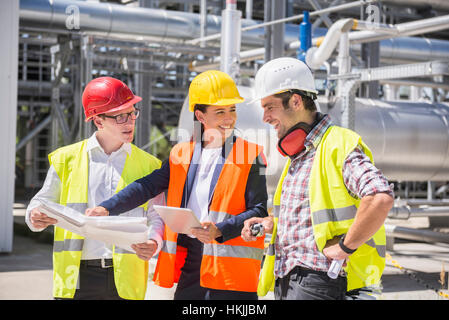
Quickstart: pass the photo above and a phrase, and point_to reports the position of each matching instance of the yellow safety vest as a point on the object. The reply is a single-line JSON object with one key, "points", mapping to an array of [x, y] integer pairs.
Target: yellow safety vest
{"points": [[333, 209], [266, 280], [72, 166]]}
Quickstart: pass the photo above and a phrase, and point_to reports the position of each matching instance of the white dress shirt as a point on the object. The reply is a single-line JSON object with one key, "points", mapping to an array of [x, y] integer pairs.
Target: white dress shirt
{"points": [[199, 197], [104, 175]]}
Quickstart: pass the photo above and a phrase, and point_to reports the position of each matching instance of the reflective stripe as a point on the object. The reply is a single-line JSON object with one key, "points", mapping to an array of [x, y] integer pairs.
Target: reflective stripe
{"points": [[216, 250], [334, 215], [169, 247], [217, 217], [276, 210], [68, 245], [381, 249], [270, 251]]}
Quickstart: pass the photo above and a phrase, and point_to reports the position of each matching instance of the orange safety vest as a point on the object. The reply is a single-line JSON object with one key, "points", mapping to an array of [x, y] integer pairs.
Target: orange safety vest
{"points": [[232, 265]]}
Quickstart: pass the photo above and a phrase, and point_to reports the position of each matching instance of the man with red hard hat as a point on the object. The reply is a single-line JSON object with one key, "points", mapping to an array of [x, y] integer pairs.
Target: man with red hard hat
{"points": [[331, 201], [84, 174]]}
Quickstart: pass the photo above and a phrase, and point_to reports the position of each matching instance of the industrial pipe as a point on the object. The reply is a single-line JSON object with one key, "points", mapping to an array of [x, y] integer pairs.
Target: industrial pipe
{"points": [[406, 212], [305, 37], [316, 56], [230, 41], [434, 4], [425, 202], [415, 234], [118, 21], [403, 29]]}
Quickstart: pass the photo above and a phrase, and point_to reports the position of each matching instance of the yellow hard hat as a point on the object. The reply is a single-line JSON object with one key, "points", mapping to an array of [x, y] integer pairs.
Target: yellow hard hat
{"points": [[214, 88]]}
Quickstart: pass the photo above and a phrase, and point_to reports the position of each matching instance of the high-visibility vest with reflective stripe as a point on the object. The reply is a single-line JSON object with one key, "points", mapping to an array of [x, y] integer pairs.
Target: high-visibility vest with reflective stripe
{"points": [[333, 209], [266, 281], [234, 264], [72, 166]]}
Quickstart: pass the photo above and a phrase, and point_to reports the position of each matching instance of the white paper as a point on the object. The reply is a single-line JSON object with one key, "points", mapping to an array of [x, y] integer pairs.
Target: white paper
{"points": [[335, 268], [179, 220], [121, 231]]}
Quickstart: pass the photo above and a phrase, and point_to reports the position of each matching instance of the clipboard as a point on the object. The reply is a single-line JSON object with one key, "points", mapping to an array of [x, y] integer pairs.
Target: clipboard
{"points": [[179, 220]]}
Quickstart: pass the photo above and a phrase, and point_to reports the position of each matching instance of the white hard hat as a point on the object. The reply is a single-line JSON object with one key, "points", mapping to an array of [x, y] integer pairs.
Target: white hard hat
{"points": [[282, 74]]}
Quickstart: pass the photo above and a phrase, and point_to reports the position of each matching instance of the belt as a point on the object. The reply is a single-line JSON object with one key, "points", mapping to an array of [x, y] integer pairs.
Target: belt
{"points": [[97, 263], [302, 271]]}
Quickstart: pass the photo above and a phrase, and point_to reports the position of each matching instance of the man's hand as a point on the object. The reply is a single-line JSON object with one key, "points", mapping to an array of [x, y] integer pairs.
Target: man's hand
{"points": [[40, 220], [332, 250], [145, 250], [97, 211], [267, 223], [207, 233]]}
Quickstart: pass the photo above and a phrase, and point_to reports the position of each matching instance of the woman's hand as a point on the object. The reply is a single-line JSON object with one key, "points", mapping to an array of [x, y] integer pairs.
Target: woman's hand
{"points": [[207, 233]]}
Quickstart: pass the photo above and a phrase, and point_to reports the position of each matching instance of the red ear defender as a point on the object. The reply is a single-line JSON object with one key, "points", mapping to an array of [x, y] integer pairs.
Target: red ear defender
{"points": [[292, 143]]}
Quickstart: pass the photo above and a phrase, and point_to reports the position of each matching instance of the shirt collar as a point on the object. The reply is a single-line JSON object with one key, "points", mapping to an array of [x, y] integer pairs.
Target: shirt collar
{"points": [[314, 137], [316, 134], [93, 143]]}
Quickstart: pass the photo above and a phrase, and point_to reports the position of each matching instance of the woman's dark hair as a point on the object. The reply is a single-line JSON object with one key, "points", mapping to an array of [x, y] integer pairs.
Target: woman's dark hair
{"points": [[307, 98], [202, 108]]}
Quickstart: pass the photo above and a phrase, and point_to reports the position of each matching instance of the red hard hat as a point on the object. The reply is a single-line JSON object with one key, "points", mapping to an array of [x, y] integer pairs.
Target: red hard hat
{"points": [[106, 94]]}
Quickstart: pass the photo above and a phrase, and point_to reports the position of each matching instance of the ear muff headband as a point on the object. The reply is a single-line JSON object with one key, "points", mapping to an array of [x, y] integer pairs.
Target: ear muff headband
{"points": [[292, 143]]}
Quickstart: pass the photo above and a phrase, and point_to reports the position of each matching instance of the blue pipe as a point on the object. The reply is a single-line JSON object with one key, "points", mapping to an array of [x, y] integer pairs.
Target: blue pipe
{"points": [[305, 37]]}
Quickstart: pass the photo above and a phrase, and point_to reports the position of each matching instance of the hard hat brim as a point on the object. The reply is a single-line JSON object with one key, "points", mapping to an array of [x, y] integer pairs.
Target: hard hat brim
{"points": [[277, 92], [124, 106], [222, 102]]}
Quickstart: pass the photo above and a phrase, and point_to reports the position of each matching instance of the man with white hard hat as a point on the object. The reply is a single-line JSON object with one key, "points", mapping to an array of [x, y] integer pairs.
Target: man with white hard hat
{"points": [[331, 201]]}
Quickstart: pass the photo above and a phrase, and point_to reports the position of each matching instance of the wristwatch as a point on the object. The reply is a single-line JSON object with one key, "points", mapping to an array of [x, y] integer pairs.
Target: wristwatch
{"points": [[345, 248]]}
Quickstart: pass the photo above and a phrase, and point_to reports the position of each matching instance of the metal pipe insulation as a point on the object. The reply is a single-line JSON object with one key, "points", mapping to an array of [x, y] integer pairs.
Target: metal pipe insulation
{"points": [[405, 212], [424, 202], [316, 56], [416, 234], [230, 40], [118, 21], [400, 49], [404, 49], [403, 29], [434, 4], [110, 20], [409, 140]]}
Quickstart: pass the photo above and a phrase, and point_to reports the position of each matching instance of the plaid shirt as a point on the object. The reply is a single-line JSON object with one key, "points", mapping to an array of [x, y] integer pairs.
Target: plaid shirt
{"points": [[295, 243]]}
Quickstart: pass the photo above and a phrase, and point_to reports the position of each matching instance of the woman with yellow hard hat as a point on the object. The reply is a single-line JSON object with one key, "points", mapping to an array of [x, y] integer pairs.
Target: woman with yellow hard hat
{"points": [[217, 175]]}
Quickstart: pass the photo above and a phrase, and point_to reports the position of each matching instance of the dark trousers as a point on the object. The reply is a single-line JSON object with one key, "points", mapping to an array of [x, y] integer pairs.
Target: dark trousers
{"points": [[307, 284], [96, 283], [189, 282]]}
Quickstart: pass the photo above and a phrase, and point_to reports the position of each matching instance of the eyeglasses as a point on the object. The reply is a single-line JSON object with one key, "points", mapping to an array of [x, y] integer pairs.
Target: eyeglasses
{"points": [[123, 117]]}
